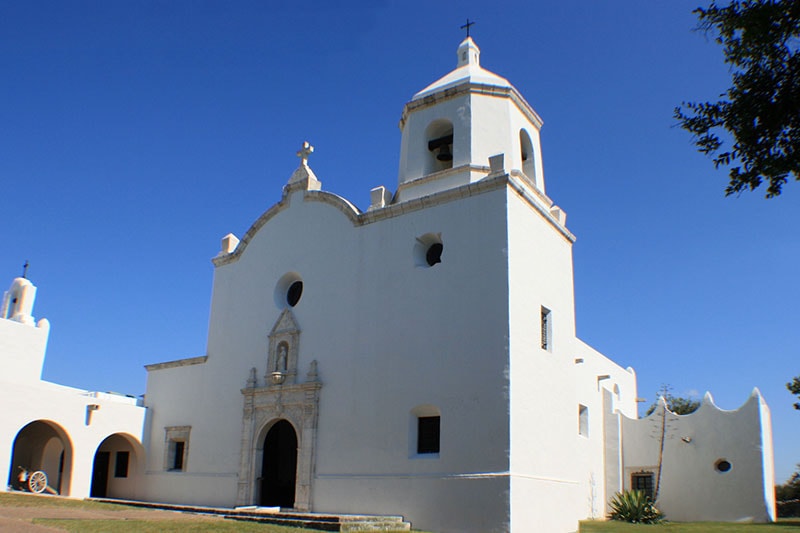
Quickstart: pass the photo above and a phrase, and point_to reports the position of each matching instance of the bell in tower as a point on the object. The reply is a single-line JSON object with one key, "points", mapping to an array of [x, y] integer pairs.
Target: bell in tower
{"points": [[451, 128]]}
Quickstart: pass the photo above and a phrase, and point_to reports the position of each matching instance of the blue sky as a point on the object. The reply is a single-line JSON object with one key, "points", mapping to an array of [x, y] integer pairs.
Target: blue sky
{"points": [[134, 135]]}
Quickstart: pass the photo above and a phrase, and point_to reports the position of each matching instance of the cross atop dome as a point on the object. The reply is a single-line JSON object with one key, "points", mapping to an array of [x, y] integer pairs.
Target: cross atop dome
{"points": [[467, 25]]}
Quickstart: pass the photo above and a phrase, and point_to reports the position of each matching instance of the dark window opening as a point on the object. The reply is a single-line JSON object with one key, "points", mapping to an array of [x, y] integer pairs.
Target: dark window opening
{"points": [[294, 293], [723, 465], [434, 253], [121, 464], [177, 460], [428, 434], [643, 481]]}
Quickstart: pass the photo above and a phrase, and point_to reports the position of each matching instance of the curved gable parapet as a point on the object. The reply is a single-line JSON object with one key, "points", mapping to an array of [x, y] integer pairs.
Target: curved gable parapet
{"points": [[345, 207], [359, 218], [705, 404], [708, 403]]}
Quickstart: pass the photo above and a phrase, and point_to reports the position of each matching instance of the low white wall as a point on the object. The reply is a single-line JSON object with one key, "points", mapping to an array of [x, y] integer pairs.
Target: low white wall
{"points": [[692, 486]]}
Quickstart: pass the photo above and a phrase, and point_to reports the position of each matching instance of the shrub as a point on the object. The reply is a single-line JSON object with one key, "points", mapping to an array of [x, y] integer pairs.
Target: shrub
{"points": [[634, 506]]}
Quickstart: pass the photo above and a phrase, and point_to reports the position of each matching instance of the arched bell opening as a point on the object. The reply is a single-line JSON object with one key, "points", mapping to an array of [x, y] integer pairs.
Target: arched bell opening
{"points": [[528, 156], [42, 446], [278, 482], [117, 468], [439, 146]]}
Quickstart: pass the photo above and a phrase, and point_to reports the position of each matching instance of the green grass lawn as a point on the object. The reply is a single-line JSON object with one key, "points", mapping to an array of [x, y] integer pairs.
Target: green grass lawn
{"points": [[129, 525], [10, 499], [791, 525]]}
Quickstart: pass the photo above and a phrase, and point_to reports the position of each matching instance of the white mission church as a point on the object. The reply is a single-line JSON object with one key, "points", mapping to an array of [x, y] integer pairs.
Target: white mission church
{"points": [[418, 358]]}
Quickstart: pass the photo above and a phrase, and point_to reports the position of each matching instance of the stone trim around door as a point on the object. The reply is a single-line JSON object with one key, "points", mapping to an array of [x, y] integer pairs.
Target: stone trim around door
{"points": [[263, 407]]}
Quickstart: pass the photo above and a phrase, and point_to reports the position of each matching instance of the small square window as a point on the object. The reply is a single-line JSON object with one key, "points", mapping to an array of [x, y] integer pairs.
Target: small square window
{"points": [[121, 464], [428, 434]]}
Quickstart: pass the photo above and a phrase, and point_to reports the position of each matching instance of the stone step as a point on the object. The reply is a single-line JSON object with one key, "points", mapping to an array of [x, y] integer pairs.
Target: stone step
{"points": [[317, 521]]}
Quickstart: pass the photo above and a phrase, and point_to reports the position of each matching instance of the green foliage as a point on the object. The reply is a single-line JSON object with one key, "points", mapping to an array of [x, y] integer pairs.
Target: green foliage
{"points": [[761, 111], [789, 490], [782, 526], [794, 388], [635, 507], [788, 496], [676, 404]]}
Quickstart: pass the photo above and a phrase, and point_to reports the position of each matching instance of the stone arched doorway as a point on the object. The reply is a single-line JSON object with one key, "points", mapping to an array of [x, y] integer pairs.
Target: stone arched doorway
{"points": [[279, 466], [117, 470], [43, 445]]}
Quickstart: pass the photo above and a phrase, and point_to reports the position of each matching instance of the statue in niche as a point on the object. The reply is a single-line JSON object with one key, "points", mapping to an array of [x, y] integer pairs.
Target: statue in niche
{"points": [[283, 354]]}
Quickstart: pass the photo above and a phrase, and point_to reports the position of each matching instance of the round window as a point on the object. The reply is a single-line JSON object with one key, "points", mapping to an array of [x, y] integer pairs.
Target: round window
{"points": [[288, 290], [722, 465], [434, 254], [294, 293], [428, 250]]}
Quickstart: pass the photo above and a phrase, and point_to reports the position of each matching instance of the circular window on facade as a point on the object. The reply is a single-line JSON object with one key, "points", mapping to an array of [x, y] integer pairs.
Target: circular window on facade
{"points": [[428, 250], [723, 465], [288, 290], [294, 293]]}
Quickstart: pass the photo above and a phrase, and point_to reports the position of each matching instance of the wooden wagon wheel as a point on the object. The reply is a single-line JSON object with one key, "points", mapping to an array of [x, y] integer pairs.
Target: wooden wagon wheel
{"points": [[37, 482]]}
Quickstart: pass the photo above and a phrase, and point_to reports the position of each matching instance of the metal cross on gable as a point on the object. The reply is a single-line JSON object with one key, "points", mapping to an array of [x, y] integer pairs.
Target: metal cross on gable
{"points": [[467, 25], [304, 152], [25, 269]]}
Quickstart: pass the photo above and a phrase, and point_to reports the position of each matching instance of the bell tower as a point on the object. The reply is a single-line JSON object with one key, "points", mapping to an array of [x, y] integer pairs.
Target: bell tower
{"points": [[451, 128]]}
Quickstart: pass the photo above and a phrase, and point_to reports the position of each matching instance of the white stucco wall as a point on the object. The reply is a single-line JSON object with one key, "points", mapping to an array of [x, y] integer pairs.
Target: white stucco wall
{"points": [[65, 408], [691, 487], [50, 418], [22, 349], [551, 462], [388, 336]]}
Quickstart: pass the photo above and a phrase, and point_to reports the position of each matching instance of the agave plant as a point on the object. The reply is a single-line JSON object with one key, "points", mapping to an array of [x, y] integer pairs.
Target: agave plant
{"points": [[634, 506]]}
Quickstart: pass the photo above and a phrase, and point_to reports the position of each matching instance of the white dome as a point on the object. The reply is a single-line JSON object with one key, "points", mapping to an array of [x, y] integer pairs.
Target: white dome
{"points": [[467, 70]]}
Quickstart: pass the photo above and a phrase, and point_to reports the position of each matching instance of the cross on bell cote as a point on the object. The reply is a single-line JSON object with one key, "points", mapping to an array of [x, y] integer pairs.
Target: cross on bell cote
{"points": [[303, 178], [304, 152]]}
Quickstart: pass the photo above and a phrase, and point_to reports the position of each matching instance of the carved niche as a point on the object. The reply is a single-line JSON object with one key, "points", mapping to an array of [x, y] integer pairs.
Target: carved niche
{"points": [[281, 397], [283, 349]]}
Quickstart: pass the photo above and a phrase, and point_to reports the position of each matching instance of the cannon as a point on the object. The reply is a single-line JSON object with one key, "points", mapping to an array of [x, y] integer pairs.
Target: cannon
{"points": [[35, 482]]}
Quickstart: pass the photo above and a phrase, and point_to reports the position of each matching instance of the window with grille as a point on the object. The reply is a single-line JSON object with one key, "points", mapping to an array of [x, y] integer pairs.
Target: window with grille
{"points": [[643, 481], [547, 330]]}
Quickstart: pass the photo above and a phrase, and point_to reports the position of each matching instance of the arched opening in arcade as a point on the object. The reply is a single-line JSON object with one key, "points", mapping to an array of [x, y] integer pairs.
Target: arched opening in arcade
{"points": [[41, 460], [279, 466], [117, 468]]}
